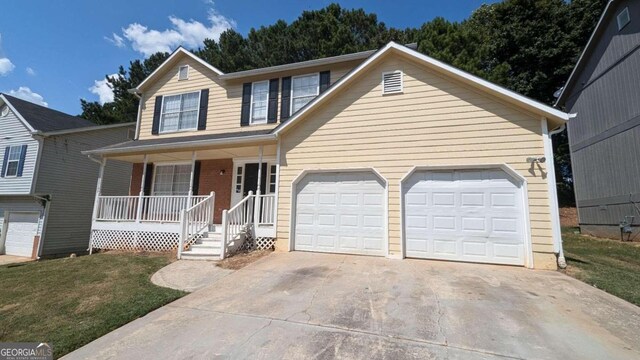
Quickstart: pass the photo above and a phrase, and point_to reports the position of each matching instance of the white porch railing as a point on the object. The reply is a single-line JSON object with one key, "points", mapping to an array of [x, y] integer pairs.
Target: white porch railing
{"points": [[235, 222], [165, 208], [267, 214], [196, 220]]}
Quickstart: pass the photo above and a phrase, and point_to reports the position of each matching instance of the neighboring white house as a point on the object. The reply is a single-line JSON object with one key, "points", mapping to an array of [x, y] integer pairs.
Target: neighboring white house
{"points": [[46, 185]]}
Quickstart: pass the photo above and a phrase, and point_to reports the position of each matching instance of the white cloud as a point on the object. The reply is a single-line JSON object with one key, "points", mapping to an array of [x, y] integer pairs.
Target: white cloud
{"points": [[190, 33], [25, 93], [116, 40], [103, 89], [6, 66], [30, 71]]}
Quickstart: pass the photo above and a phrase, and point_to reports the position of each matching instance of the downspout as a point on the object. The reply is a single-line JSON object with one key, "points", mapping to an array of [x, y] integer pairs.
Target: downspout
{"points": [[562, 263], [47, 201]]}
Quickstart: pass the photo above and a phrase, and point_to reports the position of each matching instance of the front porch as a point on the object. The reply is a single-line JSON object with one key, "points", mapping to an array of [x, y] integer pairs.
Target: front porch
{"points": [[206, 203]]}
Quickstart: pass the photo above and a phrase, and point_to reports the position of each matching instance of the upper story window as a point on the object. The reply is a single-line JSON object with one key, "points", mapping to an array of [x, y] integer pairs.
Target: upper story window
{"points": [[180, 112], [13, 161], [172, 179], [623, 18], [304, 89], [183, 72], [259, 102]]}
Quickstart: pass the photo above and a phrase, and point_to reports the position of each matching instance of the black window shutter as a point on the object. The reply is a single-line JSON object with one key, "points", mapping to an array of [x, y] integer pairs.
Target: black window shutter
{"points": [[157, 110], [272, 116], [285, 111], [204, 107], [196, 178], [148, 180], [246, 104], [23, 155], [325, 78], [4, 162]]}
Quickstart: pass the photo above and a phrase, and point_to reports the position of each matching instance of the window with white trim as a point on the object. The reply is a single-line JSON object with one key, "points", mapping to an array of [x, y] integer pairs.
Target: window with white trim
{"points": [[259, 102], [239, 179], [180, 112], [183, 72], [392, 82], [13, 161], [172, 179], [623, 18], [272, 178], [304, 89]]}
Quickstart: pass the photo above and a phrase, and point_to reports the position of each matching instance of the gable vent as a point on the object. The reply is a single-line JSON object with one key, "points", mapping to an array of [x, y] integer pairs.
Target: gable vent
{"points": [[623, 18], [183, 73], [392, 82]]}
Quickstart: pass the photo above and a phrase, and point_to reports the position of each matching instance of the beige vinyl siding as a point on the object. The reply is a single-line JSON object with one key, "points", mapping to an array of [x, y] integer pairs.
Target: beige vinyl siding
{"points": [[225, 99], [436, 121]]}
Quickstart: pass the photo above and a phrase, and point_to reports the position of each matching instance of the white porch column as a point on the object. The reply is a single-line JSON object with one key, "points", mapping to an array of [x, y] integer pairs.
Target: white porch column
{"points": [[96, 201], [141, 193], [257, 203], [193, 171]]}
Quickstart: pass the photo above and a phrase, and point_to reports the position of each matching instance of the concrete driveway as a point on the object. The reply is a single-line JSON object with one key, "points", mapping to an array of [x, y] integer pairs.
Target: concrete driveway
{"points": [[304, 305]]}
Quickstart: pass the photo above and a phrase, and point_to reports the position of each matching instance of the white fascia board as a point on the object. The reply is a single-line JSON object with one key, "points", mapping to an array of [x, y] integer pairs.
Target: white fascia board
{"points": [[178, 51], [18, 115]]}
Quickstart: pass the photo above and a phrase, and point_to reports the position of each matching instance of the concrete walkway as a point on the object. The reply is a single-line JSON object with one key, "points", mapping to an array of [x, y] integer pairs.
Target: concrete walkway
{"points": [[189, 275], [10, 259], [303, 305]]}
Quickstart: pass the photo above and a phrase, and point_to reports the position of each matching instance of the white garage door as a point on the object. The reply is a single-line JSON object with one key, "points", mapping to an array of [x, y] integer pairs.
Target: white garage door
{"points": [[340, 213], [21, 228], [474, 216]]}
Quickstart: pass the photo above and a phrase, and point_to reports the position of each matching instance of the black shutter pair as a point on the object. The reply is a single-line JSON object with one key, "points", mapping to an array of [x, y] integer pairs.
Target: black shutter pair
{"points": [[5, 162], [272, 115], [202, 114], [285, 111]]}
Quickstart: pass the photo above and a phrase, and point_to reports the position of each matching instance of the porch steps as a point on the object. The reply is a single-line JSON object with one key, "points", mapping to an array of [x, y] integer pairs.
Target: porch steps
{"points": [[207, 247]]}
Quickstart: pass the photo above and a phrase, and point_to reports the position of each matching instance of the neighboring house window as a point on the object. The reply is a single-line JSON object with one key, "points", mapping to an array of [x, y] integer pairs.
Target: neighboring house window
{"points": [[183, 73], [180, 112], [303, 89], [14, 160], [172, 179], [273, 169], [259, 102], [623, 18]]}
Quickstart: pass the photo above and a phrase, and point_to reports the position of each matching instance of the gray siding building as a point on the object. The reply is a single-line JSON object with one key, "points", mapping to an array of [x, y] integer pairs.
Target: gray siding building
{"points": [[604, 137], [47, 186]]}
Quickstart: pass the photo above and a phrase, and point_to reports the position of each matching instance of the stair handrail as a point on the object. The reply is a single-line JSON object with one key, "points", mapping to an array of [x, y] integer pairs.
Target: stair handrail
{"points": [[195, 220], [236, 220]]}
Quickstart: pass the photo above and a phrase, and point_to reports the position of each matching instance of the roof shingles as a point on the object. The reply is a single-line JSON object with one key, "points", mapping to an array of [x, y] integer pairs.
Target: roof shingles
{"points": [[44, 119]]}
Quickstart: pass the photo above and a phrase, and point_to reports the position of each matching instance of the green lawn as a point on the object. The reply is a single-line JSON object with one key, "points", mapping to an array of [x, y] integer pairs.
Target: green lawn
{"points": [[610, 265], [72, 301]]}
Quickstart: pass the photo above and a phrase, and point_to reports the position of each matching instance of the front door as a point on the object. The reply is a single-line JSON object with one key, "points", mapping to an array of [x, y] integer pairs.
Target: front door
{"points": [[251, 178]]}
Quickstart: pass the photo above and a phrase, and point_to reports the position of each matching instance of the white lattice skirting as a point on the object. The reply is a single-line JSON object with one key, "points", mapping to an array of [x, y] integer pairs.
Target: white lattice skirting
{"points": [[134, 240], [260, 243]]}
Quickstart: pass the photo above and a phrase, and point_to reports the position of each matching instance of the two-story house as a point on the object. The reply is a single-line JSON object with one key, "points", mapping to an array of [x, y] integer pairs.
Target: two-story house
{"points": [[604, 138], [47, 185], [384, 153]]}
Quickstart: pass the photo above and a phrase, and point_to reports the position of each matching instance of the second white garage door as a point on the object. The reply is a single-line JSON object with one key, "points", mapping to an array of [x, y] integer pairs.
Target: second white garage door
{"points": [[340, 213], [474, 216], [21, 230]]}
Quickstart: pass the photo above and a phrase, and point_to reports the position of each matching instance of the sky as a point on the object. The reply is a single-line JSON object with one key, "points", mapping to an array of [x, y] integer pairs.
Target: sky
{"points": [[55, 53]]}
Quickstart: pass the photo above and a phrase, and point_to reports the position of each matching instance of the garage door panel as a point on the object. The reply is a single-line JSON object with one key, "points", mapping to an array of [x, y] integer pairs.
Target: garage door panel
{"points": [[20, 233], [343, 213], [465, 216]]}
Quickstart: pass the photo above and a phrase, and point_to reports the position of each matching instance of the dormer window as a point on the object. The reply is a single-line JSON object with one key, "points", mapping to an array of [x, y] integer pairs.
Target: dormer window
{"points": [[180, 112], [183, 72], [259, 102], [303, 89]]}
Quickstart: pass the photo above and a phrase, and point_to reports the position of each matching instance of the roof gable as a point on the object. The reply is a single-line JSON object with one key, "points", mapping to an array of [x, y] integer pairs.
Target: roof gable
{"points": [[170, 61], [440, 67], [42, 119]]}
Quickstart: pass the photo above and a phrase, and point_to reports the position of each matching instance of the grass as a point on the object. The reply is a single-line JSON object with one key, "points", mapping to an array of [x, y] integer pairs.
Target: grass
{"points": [[610, 265], [72, 301]]}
